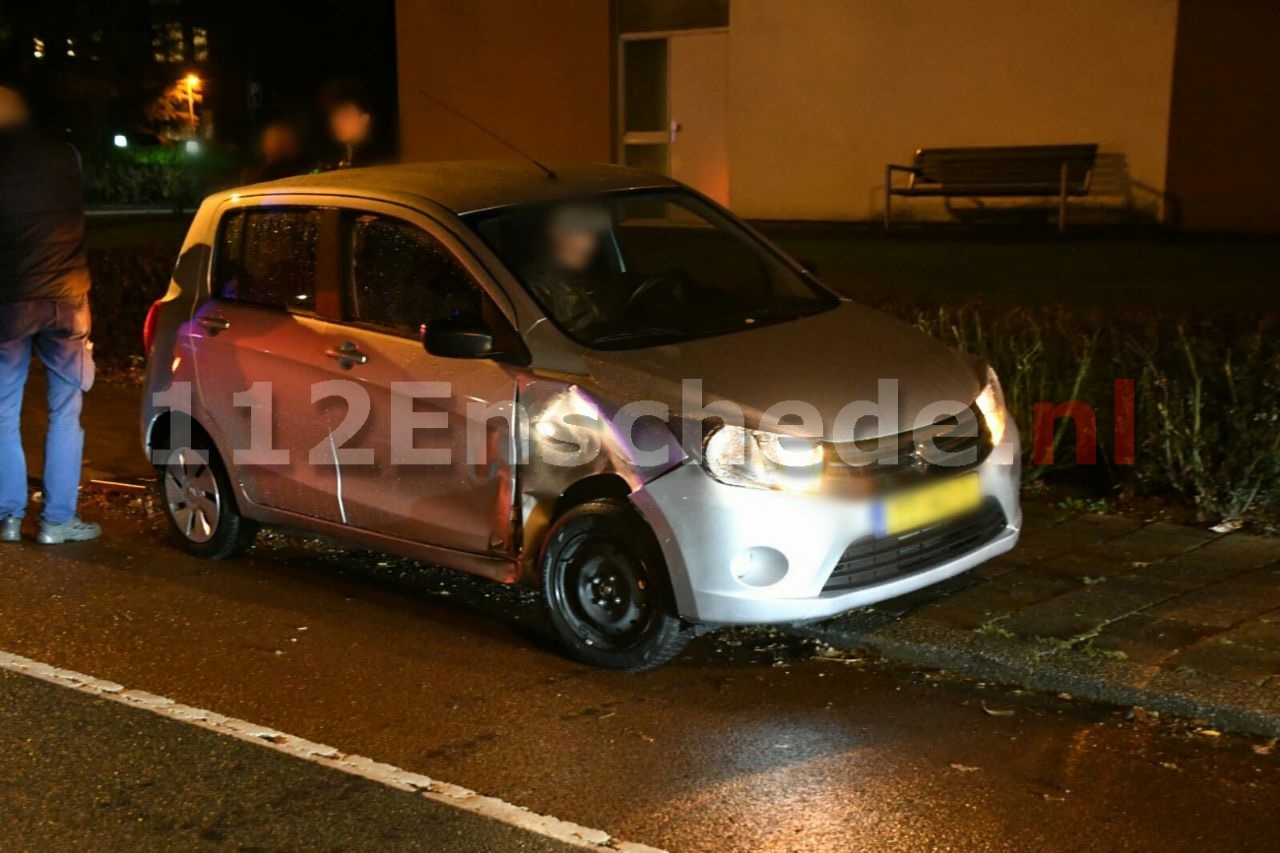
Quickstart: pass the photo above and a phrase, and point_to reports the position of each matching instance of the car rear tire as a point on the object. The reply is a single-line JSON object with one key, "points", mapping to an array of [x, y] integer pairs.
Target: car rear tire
{"points": [[608, 590], [195, 493]]}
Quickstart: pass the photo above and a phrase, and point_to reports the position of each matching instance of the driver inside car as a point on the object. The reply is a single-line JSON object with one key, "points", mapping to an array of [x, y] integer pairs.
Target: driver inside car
{"points": [[567, 275]]}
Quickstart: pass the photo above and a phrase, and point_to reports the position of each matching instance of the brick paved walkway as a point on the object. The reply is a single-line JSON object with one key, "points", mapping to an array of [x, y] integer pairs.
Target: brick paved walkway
{"points": [[1109, 608]]}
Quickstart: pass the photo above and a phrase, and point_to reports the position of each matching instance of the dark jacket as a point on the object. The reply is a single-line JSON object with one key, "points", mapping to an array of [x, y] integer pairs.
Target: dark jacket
{"points": [[570, 299], [42, 254]]}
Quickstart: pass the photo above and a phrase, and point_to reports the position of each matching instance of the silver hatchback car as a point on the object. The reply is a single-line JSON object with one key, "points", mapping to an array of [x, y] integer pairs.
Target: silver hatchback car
{"points": [[599, 382]]}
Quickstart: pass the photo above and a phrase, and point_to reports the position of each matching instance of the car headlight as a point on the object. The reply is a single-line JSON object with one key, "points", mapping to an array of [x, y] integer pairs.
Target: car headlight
{"points": [[991, 403], [763, 460]]}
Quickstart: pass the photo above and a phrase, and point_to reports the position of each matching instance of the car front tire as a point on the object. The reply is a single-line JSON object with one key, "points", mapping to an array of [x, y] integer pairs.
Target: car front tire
{"points": [[608, 590]]}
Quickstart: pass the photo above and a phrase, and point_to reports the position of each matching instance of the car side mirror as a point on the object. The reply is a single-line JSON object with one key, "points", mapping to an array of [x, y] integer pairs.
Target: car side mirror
{"points": [[464, 337]]}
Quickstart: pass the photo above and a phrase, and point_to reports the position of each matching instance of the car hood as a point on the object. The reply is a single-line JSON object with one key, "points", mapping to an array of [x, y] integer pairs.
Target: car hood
{"points": [[826, 361]]}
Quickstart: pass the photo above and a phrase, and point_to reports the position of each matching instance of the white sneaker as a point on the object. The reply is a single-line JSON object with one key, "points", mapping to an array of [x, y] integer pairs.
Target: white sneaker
{"points": [[75, 530]]}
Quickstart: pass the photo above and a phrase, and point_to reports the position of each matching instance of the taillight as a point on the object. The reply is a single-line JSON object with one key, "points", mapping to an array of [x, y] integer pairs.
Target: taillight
{"points": [[149, 326]]}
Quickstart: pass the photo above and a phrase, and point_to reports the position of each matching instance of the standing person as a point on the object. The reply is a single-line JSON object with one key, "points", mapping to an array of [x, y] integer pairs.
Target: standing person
{"points": [[353, 129], [561, 277], [44, 308]]}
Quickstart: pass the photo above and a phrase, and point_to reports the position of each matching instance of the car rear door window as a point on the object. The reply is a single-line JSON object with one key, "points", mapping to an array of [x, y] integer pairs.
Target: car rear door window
{"points": [[267, 256], [400, 278]]}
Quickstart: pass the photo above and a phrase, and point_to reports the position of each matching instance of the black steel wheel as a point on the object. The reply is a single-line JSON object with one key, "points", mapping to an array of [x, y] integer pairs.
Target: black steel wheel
{"points": [[608, 590]]}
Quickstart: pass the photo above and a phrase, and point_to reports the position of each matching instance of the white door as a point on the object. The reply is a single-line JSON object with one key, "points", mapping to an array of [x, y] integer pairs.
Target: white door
{"points": [[674, 107], [699, 103]]}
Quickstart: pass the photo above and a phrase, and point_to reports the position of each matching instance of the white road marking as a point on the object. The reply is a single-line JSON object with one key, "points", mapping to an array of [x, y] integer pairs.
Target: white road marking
{"points": [[328, 756]]}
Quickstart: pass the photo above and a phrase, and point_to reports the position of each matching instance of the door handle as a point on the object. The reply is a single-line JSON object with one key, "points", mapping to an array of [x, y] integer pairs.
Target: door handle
{"points": [[214, 324], [347, 355]]}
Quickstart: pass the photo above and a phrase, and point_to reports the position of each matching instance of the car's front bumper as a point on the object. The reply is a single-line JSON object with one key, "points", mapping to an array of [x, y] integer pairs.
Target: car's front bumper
{"points": [[711, 532]]}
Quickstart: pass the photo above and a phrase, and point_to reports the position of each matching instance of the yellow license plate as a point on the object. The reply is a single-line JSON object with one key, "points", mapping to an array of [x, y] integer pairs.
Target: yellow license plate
{"points": [[928, 505]]}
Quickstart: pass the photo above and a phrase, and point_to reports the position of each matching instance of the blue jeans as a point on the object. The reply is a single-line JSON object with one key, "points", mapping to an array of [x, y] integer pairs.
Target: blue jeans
{"points": [[57, 330]]}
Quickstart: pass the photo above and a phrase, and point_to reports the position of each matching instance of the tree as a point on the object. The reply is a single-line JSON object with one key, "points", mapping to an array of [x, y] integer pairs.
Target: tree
{"points": [[169, 115]]}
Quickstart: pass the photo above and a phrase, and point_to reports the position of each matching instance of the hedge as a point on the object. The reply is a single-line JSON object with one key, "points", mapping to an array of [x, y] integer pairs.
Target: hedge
{"points": [[1207, 411]]}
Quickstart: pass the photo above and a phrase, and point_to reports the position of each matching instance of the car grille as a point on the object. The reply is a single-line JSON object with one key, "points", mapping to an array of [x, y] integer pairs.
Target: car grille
{"points": [[882, 465], [871, 561]]}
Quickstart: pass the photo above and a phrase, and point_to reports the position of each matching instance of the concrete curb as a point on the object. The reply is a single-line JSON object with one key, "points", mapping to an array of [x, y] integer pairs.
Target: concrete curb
{"points": [[1228, 705]]}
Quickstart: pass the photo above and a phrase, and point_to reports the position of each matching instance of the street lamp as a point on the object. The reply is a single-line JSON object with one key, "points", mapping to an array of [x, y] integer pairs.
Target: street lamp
{"points": [[192, 82]]}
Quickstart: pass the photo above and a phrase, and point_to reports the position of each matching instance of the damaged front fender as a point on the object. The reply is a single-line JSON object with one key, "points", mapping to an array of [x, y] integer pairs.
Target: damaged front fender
{"points": [[573, 436]]}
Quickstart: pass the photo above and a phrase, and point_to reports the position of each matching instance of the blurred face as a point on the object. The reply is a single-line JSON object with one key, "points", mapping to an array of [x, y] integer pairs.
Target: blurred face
{"points": [[574, 249], [575, 236], [349, 124], [13, 110], [279, 143]]}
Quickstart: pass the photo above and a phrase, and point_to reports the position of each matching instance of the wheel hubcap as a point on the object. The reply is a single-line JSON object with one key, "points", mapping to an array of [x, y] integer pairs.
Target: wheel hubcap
{"points": [[191, 492]]}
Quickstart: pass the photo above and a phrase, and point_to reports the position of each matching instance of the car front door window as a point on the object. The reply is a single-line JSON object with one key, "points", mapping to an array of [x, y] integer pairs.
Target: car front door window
{"points": [[401, 278]]}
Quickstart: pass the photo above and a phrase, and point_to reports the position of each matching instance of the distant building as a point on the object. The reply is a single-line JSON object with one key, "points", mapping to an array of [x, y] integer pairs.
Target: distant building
{"points": [[95, 67], [178, 37], [103, 69], [790, 110]]}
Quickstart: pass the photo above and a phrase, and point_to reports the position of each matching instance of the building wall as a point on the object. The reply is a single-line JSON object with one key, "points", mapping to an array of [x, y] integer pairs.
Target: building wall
{"points": [[1224, 136], [824, 93], [538, 73]]}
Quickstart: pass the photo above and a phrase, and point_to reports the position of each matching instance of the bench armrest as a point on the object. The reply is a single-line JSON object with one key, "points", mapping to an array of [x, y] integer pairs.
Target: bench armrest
{"points": [[895, 167], [1087, 186], [889, 190]]}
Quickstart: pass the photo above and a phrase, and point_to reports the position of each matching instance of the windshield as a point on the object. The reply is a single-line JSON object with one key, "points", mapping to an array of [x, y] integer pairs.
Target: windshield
{"points": [[639, 269]]}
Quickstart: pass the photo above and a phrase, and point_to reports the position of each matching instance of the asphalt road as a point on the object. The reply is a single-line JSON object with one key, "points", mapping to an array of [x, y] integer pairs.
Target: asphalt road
{"points": [[86, 773], [747, 743]]}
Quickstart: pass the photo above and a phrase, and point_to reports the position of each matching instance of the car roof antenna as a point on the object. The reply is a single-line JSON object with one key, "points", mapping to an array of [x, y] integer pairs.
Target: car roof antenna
{"points": [[550, 173]]}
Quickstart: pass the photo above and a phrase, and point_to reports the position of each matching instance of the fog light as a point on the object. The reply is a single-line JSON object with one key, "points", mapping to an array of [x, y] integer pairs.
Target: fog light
{"points": [[759, 566]]}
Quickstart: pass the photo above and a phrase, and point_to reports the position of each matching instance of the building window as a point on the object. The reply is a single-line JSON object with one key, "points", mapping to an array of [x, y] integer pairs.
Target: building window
{"points": [[167, 42]]}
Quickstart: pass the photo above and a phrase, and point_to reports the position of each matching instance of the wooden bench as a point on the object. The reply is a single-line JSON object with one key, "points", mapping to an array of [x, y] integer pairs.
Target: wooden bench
{"points": [[1060, 171]]}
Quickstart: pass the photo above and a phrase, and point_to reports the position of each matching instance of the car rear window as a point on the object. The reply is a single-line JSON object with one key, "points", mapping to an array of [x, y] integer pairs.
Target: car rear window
{"points": [[267, 256]]}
